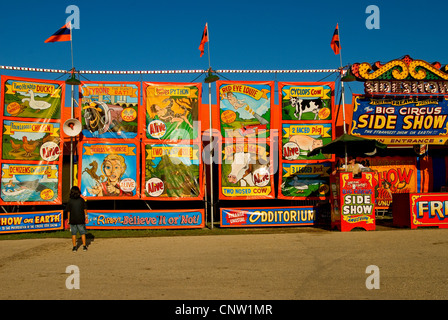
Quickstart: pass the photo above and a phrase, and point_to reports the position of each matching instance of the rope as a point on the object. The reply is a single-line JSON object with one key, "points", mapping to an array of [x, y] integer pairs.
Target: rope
{"points": [[163, 71]]}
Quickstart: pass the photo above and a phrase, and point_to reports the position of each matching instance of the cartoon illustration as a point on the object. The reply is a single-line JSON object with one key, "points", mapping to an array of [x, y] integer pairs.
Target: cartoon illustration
{"points": [[38, 141], [172, 171], [29, 98], [240, 103], [307, 101], [109, 169], [167, 114], [305, 105], [30, 183], [37, 105], [113, 167], [245, 109], [244, 170], [172, 111], [109, 110]]}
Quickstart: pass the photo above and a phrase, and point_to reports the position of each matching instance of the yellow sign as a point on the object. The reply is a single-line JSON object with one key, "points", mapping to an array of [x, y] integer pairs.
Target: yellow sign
{"points": [[247, 90], [31, 127], [307, 92], [109, 91], [29, 170], [307, 130], [110, 149], [50, 89], [172, 151]]}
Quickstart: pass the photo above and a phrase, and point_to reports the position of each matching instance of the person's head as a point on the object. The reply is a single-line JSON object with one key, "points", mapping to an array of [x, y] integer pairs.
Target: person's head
{"points": [[351, 160], [75, 193], [114, 167]]}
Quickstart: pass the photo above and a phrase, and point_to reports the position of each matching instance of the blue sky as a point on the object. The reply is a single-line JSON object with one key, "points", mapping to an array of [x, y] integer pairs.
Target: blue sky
{"points": [[165, 35]]}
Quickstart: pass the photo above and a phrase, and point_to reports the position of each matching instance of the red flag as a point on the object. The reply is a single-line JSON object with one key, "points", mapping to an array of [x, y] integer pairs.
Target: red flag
{"points": [[335, 45], [204, 39], [63, 34]]}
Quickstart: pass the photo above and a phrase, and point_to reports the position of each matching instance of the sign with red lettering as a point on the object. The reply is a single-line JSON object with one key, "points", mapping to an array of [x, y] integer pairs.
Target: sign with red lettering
{"points": [[429, 210], [354, 206]]}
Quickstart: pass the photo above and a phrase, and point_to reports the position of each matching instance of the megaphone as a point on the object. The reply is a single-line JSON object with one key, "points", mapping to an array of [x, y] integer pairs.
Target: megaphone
{"points": [[72, 127]]}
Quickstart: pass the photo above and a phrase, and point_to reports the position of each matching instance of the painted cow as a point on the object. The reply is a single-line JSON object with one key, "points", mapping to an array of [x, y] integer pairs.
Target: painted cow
{"points": [[305, 105], [243, 168]]}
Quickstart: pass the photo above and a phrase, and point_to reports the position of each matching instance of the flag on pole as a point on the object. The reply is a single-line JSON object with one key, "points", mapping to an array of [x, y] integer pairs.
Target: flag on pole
{"points": [[63, 34], [335, 45], [204, 39]]}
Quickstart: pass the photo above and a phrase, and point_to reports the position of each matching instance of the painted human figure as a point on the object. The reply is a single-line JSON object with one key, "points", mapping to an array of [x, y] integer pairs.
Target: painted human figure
{"points": [[113, 168]]}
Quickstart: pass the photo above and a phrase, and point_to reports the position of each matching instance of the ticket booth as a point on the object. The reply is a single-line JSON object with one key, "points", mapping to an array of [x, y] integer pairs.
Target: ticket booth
{"points": [[352, 201]]}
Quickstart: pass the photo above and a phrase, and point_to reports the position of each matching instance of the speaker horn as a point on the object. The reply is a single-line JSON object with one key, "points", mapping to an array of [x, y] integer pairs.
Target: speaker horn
{"points": [[72, 127]]}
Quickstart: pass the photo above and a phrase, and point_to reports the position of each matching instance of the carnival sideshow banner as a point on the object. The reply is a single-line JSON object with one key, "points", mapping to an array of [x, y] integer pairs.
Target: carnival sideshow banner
{"points": [[298, 139], [172, 171], [307, 101], [246, 171], [268, 217], [422, 120], [306, 115], [110, 109], [172, 111], [153, 219], [305, 180], [109, 169], [245, 108], [31, 98], [31, 156], [31, 221], [26, 183]]}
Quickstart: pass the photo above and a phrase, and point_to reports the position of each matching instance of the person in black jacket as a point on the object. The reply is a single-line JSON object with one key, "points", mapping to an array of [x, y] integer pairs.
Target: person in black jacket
{"points": [[77, 210]]}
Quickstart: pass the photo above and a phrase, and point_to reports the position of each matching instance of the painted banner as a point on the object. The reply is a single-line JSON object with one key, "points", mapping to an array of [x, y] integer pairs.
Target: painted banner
{"points": [[245, 108], [172, 171], [268, 217], [110, 109], [307, 100], [391, 175], [246, 171], [30, 98], [305, 180], [26, 141], [401, 121], [109, 170], [31, 156], [298, 139], [154, 219], [172, 110], [31, 221], [29, 184]]}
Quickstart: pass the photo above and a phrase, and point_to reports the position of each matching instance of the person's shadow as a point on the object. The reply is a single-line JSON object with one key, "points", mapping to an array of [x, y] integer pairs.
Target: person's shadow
{"points": [[89, 239]]}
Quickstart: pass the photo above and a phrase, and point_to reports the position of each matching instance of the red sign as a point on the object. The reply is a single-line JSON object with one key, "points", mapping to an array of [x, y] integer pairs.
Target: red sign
{"points": [[357, 202], [429, 210]]}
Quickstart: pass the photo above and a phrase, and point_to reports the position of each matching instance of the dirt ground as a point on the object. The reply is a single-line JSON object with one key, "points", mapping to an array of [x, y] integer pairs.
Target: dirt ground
{"points": [[290, 266]]}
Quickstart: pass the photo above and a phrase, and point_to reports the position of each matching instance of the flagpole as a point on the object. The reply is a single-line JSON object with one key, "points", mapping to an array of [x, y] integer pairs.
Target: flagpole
{"points": [[208, 45], [343, 95], [212, 206], [71, 108]]}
